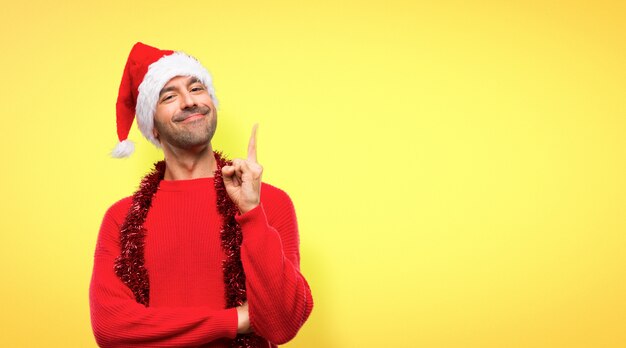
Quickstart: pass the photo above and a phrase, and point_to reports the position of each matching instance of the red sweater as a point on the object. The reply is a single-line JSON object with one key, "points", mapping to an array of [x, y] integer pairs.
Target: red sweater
{"points": [[183, 256]]}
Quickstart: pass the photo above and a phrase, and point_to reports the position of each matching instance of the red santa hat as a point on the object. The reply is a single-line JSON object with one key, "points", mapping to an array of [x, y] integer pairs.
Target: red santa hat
{"points": [[147, 70]]}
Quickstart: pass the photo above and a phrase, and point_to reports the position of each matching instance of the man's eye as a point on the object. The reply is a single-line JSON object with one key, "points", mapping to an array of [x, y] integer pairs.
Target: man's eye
{"points": [[168, 97], [197, 88]]}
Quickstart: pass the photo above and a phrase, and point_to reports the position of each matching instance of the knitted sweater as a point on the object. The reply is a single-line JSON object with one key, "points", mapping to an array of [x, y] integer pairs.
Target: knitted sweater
{"points": [[183, 257]]}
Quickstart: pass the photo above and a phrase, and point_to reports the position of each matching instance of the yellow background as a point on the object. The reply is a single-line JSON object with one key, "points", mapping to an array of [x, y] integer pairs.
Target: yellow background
{"points": [[457, 167]]}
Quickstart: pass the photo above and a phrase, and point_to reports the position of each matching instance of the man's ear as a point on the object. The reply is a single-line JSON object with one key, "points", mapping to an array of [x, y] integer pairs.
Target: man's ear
{"points": [[155, 133]]}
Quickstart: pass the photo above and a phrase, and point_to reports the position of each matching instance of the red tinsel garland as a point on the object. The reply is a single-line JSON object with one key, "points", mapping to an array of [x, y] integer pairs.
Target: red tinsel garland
{"points": [[130, 267]]}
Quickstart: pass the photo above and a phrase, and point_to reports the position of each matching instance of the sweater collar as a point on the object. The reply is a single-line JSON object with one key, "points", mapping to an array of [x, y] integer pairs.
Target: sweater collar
{"points": [[187, 185]]}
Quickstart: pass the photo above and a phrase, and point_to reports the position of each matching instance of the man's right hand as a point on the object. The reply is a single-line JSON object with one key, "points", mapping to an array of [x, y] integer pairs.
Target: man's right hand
{"points": [[243, 319]]}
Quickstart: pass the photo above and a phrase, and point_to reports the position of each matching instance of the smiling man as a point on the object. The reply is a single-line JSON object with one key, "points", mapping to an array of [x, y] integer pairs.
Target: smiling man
{"points": [[197, 106], [203, 254]]}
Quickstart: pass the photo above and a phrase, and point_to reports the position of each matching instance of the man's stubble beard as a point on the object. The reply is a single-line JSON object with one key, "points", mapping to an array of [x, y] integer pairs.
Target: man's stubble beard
{"points": [[191, 137]]}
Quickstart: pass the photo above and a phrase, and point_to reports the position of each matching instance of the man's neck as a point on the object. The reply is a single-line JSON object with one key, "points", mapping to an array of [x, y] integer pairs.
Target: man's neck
{"points": [[184, 164]]}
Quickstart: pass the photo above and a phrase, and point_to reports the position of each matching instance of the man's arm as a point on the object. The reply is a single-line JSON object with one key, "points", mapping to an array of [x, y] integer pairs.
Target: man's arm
{"points": [[119, 321], [279, 297]]}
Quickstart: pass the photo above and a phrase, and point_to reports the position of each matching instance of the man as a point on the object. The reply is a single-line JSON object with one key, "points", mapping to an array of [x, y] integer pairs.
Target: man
{"points": [[204, 253]]}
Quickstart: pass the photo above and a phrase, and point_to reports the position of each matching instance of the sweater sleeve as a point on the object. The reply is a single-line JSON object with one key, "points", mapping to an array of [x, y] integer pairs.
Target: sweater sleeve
{"points": [[279, 297], [119, 321]]}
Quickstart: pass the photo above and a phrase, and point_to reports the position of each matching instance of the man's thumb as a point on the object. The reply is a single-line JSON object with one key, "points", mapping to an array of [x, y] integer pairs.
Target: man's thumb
{"points": [[227, 173]]}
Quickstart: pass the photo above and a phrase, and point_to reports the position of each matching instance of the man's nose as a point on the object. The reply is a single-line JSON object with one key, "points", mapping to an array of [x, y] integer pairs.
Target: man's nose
{"points": [[187, 100]]}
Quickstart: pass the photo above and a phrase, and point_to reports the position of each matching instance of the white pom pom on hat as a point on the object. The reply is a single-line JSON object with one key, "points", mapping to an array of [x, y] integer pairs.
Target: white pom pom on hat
{"points": [[147, 70]]}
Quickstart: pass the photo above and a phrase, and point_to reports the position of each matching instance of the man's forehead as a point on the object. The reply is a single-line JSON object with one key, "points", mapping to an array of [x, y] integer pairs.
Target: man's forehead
{"points": [[178, 80], [182, 79]]}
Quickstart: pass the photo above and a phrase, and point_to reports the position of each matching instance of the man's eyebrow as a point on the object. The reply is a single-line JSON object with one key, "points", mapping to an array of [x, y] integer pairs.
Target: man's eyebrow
{"points": [[193, 80], [190, 82], [166, 89]]}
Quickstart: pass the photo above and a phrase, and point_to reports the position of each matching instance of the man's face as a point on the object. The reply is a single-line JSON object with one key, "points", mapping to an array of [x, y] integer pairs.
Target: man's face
{"points": [[185, 116]]}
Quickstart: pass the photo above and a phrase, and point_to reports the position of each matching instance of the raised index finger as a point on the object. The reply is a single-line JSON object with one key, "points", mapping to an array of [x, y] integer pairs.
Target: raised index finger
{"points": [[252, 144]]}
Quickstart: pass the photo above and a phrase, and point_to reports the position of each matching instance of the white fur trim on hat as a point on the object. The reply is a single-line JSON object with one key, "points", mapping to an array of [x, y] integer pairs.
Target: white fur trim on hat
{"points": [[159, 73], [123, 149]]}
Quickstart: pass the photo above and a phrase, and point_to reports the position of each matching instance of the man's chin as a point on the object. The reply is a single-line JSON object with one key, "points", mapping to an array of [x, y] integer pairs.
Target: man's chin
{"points": [[192, 142]]}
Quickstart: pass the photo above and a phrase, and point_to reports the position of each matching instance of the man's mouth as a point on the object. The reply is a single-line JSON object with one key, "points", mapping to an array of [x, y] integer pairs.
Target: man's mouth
{"points": [[192, 117]]}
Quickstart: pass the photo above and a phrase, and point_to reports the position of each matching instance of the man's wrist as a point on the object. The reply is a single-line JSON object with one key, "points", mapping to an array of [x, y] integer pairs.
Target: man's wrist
{"points": [[243, 320], [247, 208]]}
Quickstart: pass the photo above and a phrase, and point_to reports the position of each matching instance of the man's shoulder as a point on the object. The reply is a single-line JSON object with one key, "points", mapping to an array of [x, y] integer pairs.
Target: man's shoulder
{"points": [[119, 209], [271, 192], [123, 203], [275, 200], [113, 219]]}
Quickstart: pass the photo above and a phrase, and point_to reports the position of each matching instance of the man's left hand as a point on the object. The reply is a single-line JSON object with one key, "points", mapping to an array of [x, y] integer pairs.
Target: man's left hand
{"points": [[242, 179]]}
